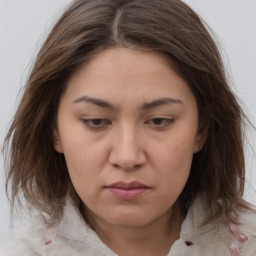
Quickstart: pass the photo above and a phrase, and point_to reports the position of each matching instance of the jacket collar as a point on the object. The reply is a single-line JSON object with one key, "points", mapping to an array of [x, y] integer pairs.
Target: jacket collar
{"points": [[73, 226]]}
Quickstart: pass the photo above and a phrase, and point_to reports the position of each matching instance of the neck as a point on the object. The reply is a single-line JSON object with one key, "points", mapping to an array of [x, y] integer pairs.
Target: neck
{"points": [[155, 239]]}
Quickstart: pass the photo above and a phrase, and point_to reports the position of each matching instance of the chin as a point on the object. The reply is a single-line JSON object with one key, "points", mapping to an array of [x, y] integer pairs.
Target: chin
{"points": [[129, 219]]}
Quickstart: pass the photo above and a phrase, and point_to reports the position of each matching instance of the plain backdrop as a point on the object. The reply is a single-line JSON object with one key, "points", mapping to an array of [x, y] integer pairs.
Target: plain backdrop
{"points": [[24, 25]]}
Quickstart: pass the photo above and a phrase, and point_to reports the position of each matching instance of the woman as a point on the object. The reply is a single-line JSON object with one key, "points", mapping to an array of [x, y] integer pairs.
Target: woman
{"points": [[128, 139]]}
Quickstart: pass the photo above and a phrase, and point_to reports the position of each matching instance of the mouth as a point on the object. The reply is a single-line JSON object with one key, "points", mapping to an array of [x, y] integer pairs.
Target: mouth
{"points": [[127, 191]]}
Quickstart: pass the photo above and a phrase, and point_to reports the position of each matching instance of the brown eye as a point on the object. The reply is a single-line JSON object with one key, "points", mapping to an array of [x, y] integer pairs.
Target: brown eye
{"points": [[160, 122], [96, 123]]}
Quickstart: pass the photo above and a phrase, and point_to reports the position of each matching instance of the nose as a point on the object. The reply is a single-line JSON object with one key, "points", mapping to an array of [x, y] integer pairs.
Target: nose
{"points": [[127, 151]]}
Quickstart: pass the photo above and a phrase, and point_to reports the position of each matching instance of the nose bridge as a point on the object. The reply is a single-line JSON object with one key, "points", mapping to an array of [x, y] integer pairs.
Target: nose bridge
{"points": [[129, 143], [127, 152]]}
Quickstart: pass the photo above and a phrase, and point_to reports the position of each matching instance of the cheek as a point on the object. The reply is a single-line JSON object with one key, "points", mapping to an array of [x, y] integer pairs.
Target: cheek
{"points": [[172, 168], [176, 169], [83, 172], [172, 163], [176, 153], [81, 162], [78, 147]]}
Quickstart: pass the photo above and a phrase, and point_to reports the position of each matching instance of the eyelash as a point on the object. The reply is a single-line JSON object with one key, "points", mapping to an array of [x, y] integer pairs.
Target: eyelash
{"points": [[98, 123], [91, 123], [165, 122]]}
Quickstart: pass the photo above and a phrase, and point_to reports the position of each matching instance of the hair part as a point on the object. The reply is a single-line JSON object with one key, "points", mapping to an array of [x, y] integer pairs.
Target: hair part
{"points": [[87, 27]]}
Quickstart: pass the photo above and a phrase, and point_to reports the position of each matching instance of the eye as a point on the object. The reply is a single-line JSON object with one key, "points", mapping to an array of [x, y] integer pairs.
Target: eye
{"points": [[96, 123], [160, 122]]}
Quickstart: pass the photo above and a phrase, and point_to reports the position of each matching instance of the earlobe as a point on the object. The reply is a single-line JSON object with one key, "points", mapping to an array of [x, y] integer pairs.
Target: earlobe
{"points": [[201, 136], [56, 141], [197, 146]]}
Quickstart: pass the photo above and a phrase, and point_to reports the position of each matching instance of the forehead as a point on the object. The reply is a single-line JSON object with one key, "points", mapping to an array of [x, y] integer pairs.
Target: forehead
{"points": [[121, 73], [125, 62]]}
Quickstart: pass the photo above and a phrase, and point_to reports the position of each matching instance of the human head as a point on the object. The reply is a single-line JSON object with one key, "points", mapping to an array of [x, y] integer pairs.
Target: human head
{"points": [[128, 120], [87, 27]]}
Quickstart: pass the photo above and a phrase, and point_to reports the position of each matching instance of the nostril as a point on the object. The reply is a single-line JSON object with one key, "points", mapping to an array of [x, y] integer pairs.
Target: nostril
{"points": [[127, 168], [127, 161]]}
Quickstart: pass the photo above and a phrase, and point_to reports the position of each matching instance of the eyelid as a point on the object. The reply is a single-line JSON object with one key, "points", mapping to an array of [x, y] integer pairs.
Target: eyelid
{"points": [[166, 122], [89, 123], [103, 123]]}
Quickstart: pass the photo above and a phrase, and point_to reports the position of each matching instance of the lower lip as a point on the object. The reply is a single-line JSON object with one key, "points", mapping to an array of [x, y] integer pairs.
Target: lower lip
{"points": [[127, 194]]}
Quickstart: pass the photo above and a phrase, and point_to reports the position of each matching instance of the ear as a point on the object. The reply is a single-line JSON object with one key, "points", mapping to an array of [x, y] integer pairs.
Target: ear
{"points": [[201, 136], [56, 141]]}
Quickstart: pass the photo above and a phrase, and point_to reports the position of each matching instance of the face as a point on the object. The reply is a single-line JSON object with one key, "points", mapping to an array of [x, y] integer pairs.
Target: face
{"points": [[128, 128]]}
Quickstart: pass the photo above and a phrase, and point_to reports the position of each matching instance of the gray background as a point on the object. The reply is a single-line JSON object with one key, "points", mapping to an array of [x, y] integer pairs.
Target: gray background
{"points": [[24, 24]]}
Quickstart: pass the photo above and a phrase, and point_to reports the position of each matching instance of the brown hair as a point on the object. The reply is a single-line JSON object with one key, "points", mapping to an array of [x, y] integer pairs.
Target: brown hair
{"points": [[89, 26]]}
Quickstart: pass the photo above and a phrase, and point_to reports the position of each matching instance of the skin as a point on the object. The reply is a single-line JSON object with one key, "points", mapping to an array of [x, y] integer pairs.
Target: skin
{"points": [[131, 140]]}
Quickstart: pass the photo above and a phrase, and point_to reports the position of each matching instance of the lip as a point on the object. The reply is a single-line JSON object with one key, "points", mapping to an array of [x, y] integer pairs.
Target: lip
{"points": [[127, 191]]}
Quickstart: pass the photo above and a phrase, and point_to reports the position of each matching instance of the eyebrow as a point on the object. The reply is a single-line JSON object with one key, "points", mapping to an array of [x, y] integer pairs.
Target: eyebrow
{"points": [[159, 102], [145, 106], [98, 102]]}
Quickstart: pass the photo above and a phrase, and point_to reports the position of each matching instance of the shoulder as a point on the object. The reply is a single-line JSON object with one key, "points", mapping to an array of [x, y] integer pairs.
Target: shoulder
{"points": [[247, 226], [247, 219], [17, 247], [231, 238], [70, 236], [28, 238], [32, 239], [219, 238]]}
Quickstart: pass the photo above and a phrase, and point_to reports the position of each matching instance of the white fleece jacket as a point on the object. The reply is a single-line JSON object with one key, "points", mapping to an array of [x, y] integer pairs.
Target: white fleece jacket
{"points": [[73, 237]]}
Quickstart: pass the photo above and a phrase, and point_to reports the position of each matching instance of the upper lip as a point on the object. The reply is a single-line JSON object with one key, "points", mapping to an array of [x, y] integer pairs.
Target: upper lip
{"points": [[127, 185]]}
